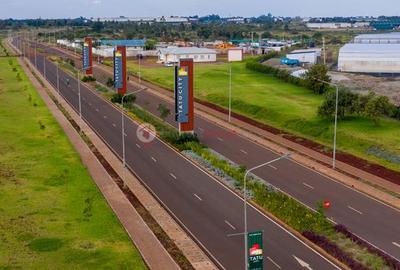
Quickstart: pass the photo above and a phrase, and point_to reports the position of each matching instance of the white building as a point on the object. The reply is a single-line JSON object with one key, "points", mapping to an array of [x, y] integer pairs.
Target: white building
{"points": [[370, 58], [162, 19], [388, 38], [235, 55], [329, 25], [172, 55], [308, 56]]}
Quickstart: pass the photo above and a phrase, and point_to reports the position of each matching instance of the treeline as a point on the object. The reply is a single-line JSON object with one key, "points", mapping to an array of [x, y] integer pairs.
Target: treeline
{"points": [[370, 106], [317, 80]]}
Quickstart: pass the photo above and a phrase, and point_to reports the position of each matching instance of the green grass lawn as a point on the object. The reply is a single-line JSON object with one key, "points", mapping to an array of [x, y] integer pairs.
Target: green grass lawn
{"points": [[52, 215], [284, 106]]}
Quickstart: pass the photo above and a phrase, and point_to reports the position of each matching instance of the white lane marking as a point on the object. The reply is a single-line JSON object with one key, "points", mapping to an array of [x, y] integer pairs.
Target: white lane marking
{"points": [[355, 210], [138, 146], [307, 185], [197, 196], [126, 135], [396, 244], [220, 139], [155, 160], [273, 167], [274, 263], [114, 125], [172, 175], [97, 110], [105, 117], [244, 152], [230, 225], [302, 263]]}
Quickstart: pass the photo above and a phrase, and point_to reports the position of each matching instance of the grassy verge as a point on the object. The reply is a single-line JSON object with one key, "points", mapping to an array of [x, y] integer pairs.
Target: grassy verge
{"points": [[52, 214], [285, 106], [267, 197]]}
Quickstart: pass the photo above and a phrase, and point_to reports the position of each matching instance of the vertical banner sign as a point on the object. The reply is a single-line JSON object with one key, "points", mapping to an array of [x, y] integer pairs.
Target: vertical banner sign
{"points": [[120, 82], [255, 250], [182, 94], [87, 56], [117, 69], [184, 106]]}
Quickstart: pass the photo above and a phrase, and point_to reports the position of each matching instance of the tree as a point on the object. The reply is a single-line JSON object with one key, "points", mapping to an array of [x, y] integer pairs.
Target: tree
{"points": [[110, 82], [346, 104], [376, 108], [150, 44], [128, 100], [164, 111], [317, 78]]}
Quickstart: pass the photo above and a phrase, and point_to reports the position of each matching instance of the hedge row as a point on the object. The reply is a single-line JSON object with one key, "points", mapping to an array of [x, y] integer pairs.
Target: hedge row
{"points": [[334, 250], [393, 263], [255, 64]]}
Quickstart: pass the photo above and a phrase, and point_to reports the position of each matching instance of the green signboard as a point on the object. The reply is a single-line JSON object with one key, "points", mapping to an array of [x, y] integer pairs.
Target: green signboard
{"points": [[255, 250]]}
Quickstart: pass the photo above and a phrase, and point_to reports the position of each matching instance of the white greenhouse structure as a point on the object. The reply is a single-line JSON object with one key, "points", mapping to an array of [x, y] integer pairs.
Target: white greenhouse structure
{"points": [[388, 38], [370, 58]]}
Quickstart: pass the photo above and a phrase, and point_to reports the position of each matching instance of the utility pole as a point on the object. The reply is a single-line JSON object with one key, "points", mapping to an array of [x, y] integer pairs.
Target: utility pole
{"points": [[140, 75], [245, 203], [230, 93]]}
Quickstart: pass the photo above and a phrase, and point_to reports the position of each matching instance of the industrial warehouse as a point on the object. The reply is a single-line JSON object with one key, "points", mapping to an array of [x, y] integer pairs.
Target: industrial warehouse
{"points": [[376, 54]]}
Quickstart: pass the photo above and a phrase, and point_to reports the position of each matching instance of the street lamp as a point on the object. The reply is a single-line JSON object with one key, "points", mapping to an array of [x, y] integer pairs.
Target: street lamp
{"points": [[230, 93], [140, 75], [123, 124], [245, 201], [336, 120], [79, 95]]}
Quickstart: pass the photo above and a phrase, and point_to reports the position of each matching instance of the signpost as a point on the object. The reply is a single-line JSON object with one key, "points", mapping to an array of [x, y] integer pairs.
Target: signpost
{"points": [[87, 56], [184, 106], [120, 69], [255, 250]]}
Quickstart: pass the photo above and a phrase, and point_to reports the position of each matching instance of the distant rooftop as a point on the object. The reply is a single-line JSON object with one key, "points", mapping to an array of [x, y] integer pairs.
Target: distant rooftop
{"points": [[312, 50], [187, 50], [379, 36], [123, 42], [371, 48]]}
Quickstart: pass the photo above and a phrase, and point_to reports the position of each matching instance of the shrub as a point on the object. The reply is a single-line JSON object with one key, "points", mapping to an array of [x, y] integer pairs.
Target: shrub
{"points": [[110, 82], [334, 250], [117, 98], [394, 264], [88, 79]]}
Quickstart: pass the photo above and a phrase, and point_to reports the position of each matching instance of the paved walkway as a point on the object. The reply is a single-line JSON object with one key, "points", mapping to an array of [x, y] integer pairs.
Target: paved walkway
{"points": [[152, 251]]}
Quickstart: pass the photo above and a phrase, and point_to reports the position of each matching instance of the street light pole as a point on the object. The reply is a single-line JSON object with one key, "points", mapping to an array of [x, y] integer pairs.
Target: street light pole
{"points": [[44, 66], [123, 129], [245, 201], [35, 55], [336, 121], [58, 83], [230, 93], [140, 71], [335, 128]]}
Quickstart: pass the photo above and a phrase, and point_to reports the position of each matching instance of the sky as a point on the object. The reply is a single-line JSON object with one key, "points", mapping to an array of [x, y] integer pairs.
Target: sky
{"points": [[133, 8]]}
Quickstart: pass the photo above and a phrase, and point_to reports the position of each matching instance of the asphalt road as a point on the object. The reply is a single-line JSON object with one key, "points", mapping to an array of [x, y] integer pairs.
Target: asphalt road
{"points": [[375, 222], [209, 211]]}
